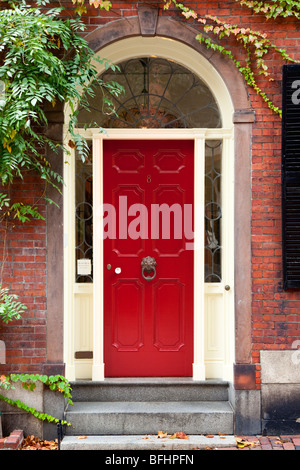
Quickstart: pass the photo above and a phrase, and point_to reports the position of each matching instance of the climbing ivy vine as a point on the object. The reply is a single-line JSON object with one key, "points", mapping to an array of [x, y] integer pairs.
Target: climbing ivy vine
{"points": [[214, 32], [275, 8], [56, 383], [255, 44]]}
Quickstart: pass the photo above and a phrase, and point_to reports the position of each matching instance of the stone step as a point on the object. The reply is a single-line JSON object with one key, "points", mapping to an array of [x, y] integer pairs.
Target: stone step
{"points": [[133, 442], [144, 389], [134, 418]]}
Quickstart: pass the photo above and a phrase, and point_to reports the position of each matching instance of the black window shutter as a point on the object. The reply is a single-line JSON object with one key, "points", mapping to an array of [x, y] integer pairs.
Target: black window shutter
{"points": [[291, 176]]}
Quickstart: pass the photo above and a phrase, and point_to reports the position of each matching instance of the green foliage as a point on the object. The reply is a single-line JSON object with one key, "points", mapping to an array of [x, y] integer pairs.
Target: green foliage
{"points": [[29, 409], [274, 8], [81, 8], [44, 59], [10, 309], [256, 45], [4, 201], [54, 382]]}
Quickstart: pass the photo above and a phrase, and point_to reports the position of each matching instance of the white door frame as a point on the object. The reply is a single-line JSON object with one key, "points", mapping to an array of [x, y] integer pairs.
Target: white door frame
{"points": [[199, 160], [167, 48], [200, 288]]}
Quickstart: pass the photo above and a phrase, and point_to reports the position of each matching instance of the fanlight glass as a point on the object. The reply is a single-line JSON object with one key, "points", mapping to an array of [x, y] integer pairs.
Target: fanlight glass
{"points": [[159, 93]]}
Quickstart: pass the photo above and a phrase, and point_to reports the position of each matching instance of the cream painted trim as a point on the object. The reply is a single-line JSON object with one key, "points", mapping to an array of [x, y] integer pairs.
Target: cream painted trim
{"points": [[228, 261], [98, 332], [199, 159], [200, 288], [157, 134], [188, 57], [69, 265], [199, 294]]}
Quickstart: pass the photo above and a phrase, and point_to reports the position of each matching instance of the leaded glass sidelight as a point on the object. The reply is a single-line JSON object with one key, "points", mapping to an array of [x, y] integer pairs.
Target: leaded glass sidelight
{"points": [[84, 218], [159, 93], [213, 211]]}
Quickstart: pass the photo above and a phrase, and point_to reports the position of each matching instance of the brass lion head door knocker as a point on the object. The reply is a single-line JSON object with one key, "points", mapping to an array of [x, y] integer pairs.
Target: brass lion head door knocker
{"points": [[148, 265]]}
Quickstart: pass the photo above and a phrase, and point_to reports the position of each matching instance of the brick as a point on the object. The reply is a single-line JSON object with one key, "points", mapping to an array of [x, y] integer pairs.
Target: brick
{"points": [[17, 433], [288, 446], [296, 441], [11, 442], [266, 447]]}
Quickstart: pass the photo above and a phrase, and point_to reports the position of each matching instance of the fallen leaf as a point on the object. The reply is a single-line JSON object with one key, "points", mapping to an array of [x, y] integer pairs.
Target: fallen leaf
{"points": [[181, 435], [34, 443], [178, 435], [162, 435], [81, 437], [210, 436], [281, 441], [241, 443]]}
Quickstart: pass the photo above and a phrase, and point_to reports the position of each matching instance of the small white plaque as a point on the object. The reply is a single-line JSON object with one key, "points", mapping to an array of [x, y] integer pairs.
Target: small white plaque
{"points": [[84, 267]]}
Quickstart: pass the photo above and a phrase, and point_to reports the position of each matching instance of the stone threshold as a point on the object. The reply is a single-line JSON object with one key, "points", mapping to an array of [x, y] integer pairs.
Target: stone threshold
{"points": [[146, 442]]}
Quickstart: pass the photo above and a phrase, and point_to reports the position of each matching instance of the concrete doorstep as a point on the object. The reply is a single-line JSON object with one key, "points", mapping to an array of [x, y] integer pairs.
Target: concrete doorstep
{"points": [[145, 442]]}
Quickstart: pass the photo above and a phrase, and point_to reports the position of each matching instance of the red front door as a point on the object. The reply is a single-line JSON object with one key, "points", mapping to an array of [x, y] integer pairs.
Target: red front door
{"points": [[148, 207]]}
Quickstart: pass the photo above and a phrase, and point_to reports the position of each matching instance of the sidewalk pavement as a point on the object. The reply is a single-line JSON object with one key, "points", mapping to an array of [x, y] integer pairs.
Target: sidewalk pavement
{"points": [[282, 442]]}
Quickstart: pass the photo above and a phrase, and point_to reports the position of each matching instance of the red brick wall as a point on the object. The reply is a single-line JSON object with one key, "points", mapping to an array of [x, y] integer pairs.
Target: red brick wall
{"points": [[275, 313], [24, 250]]}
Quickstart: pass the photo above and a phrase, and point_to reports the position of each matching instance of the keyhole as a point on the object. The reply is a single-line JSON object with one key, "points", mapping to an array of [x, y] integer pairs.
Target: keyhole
{"points": [[148, 178]]}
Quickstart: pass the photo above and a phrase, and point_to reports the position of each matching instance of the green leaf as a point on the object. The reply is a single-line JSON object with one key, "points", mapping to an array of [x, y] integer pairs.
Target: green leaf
{"points": [[33, 73]]}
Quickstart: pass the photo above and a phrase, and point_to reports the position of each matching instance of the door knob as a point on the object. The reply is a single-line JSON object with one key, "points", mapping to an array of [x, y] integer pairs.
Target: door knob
{"points": [[227, 287], [118, 270]]}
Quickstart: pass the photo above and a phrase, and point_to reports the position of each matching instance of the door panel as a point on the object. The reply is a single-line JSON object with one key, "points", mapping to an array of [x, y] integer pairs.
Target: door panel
{"points": [[123, 198], [148, 324], [168, 303], [127, 315]]}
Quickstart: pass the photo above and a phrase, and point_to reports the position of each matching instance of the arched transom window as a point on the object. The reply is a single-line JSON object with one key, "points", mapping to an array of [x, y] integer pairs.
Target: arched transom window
{"points": [[159, 93]]}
